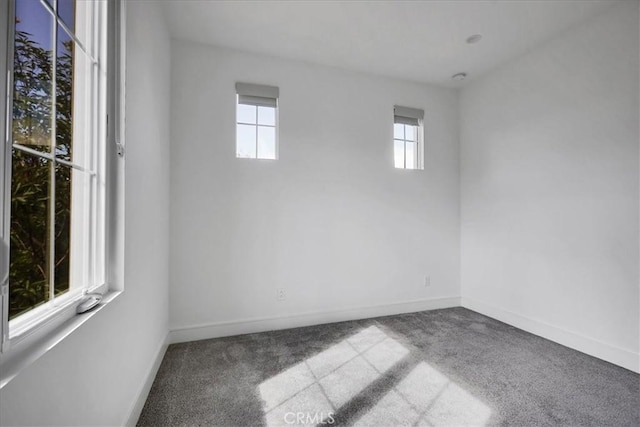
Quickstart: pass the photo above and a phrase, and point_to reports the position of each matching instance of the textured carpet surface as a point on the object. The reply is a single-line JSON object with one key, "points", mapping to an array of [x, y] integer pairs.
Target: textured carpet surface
{"points": [[449, 367]]}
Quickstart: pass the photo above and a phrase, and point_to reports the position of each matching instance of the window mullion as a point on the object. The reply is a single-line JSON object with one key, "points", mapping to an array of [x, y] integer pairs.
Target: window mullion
{"points": [[404, 152], [48, 156], [76, 166], [404, 142], [257, 157], [36, 153]]}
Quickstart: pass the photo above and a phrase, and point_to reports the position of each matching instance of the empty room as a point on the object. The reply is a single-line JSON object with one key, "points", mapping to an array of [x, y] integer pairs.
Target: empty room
{"points": [[293, 213]]}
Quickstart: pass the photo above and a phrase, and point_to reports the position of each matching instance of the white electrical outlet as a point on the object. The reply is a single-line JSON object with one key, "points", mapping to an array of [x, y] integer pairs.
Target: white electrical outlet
{"points": [[427, 281], [280, 295]]}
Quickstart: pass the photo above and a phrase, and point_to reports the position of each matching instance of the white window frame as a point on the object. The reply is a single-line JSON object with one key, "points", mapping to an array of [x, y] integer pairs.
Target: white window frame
{"points": [[404, 140], [30, 335], [257, 125], [414, 118], [260, 96]]}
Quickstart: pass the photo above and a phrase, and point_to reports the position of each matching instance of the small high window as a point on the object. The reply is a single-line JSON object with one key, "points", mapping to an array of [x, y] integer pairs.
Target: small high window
{"points": [[407, 138], [256, 121]]}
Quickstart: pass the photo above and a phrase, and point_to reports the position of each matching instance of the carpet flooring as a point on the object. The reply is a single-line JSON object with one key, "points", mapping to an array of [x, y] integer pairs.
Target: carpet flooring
{"points": [[450, 367]]}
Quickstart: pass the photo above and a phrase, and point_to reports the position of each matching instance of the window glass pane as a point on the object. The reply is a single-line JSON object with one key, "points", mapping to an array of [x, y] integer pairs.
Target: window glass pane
{"points": [[410, 132], [398, 153], [29, 251], [411, 153], [64, 95], [62, 229], [398, 131], [246, 141], [246, 113], [32, 104], [267, 116], [266, 142], [66, 11]]}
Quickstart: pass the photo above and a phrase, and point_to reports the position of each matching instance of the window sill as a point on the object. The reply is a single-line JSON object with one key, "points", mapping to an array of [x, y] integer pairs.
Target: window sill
{"points": [[25, 353]]}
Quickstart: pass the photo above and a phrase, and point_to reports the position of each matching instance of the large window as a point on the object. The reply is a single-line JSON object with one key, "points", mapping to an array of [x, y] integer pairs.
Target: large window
{"points": [[54, 212], [407, 138], [256, 121]]}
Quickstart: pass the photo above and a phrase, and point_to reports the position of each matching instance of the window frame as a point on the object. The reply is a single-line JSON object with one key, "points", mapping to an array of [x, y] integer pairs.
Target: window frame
{"points": [[257, 127], [404, 140], [39, 332], [409, 117], [257, 96]]}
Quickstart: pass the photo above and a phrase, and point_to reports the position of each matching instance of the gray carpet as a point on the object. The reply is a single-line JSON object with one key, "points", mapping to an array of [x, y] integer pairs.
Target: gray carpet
{"points": [[449, 367]]}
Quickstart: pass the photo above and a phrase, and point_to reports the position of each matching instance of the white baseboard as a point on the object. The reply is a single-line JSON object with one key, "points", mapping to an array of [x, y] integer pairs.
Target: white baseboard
{"points": [[247, 326], [141, 398], [616, 355]]}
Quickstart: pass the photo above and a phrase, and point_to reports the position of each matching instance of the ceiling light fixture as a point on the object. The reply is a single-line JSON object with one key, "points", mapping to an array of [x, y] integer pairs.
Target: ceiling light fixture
{"points": [[474, 38], [459, 77]]}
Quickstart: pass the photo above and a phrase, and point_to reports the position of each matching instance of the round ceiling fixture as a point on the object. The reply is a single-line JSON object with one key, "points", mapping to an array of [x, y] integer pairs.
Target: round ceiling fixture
{"points": [[474, 38], [459, 77]]}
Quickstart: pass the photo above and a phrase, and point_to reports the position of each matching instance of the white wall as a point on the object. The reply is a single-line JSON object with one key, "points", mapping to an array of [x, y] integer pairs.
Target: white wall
{"points": [[332, 222], [95, 375], [549, 159]]}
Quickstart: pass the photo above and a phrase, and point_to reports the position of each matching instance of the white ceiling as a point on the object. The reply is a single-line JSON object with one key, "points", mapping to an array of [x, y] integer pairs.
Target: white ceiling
{"points": [[412, 40]]}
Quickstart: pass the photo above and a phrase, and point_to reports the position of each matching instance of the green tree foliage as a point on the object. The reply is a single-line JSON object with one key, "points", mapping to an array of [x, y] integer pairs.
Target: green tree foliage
{"points": [[32, 180]]}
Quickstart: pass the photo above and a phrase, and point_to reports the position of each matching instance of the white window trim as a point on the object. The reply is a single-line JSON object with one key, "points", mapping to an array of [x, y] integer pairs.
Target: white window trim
{"points": [[418, 145], [259, 95], [420, 150], [258, 126], [41, 333]]}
